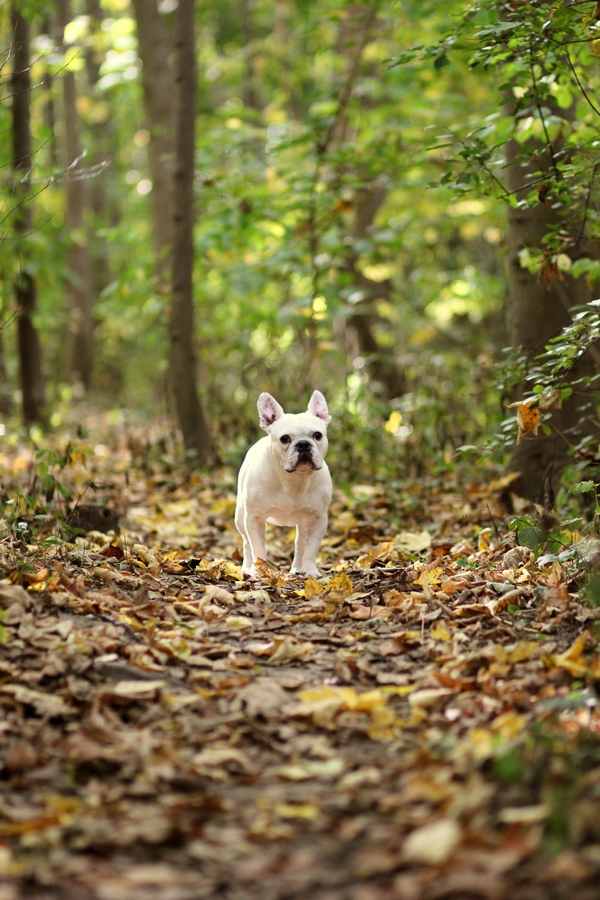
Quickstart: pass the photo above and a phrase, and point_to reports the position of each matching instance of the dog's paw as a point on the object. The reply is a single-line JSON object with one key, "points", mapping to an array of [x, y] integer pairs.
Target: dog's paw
{"points": [[309, 571]]}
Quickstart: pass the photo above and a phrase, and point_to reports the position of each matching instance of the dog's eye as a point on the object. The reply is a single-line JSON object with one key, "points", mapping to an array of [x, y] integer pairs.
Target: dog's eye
{"points": [[285, 439], [317, 435]]}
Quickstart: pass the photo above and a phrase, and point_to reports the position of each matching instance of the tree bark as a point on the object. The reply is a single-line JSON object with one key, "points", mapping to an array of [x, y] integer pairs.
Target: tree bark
{"points": [[539, 309], [79, 278], [29, 345], [182, 356], [158, 82]]}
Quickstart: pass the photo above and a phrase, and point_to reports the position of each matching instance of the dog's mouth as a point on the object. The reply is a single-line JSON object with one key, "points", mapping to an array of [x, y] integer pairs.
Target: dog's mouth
{"points": [[302, 464], [302, 456], [302, 460]]}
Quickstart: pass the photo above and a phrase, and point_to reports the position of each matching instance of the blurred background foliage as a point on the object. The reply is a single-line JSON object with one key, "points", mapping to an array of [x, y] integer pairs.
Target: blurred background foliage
{"points": [[347, 236]]}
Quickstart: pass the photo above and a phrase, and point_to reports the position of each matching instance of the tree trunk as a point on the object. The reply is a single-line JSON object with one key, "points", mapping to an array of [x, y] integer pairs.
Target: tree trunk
{"points": [[79, 278], [159, 91], [356, 29], [182, 357], [29, 346], [539, 309], [5, 391], [383, 368], [101, 133]]}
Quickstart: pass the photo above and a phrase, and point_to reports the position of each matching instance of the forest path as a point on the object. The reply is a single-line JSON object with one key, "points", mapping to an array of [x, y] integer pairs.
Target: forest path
{"points": [[420, 723]]}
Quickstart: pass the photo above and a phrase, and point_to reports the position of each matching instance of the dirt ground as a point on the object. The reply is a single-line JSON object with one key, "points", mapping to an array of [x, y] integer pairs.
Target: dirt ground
{"points": [[419, 723]]}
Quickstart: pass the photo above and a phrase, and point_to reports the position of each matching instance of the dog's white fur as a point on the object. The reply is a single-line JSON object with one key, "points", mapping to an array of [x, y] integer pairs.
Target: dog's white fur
{"points": [[284, 480]]}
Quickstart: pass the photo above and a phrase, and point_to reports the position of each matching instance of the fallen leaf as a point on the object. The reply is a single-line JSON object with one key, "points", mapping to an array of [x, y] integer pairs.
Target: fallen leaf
{"points": [[440, 633], [287, 648], [412, 541], [432, 844], [340, 584]]}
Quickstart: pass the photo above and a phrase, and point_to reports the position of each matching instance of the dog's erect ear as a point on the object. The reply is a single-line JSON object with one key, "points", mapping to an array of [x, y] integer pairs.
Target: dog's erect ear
{"points": [[318, 407], [269, 410]]}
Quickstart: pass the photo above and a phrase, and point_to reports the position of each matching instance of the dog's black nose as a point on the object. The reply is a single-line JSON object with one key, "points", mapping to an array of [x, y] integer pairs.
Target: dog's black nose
{"points": [[303, 446]]}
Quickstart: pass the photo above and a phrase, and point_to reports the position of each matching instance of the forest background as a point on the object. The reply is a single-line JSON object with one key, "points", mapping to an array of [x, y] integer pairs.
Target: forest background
{"points": [[353, 169], [392, 202]]}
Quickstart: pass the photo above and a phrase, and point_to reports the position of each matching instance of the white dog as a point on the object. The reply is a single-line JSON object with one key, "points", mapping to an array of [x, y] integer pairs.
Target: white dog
{"points": [[284, 480]]}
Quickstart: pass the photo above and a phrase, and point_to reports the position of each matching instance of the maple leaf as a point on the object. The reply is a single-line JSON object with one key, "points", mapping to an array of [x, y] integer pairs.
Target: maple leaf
{"points": [[339, 584], [427, 577]]}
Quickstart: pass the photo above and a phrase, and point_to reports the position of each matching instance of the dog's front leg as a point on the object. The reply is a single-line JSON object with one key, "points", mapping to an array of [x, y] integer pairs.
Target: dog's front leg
{"points": [[299, 546], [252, 529], [309, 534]]}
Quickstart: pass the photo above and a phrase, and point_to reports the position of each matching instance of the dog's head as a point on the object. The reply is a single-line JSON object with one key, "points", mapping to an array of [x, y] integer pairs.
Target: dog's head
{"points": [[298, 441]]}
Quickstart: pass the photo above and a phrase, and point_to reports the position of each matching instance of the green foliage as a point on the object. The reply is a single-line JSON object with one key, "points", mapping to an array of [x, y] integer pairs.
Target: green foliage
{"points": [[547, 374], [296, 140], [543, 61], [591, 591], [35, 512]]}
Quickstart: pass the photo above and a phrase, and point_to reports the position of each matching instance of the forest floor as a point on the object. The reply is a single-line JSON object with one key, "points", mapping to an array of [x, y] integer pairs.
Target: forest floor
{"points": [[420, 723]]}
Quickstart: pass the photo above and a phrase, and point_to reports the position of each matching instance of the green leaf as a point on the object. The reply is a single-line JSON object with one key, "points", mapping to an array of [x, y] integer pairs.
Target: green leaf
{"points": [[584, 487]]}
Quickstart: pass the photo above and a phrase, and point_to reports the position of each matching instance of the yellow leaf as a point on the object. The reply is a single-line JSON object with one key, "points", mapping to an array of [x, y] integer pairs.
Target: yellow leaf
{"points": [[178, 508], [498, 484], [439, 633], [509, 724], [296, 810], [429, 577], [370, 700], [231, 572], [517, 576], [521, 652], [340, 584], [224, 507], [312, 588], [575, 651], [572, 659], [220, 570], [325, 702], [483, 540], [394, 422], [238, 622], [314, 695]]}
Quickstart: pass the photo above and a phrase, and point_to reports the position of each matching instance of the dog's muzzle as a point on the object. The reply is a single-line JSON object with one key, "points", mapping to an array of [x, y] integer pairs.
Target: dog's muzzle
{"points": [[301, 453]]}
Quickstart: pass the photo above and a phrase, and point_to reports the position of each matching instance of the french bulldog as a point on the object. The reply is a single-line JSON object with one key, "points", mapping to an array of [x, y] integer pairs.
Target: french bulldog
{"points": [[284, 480]]}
